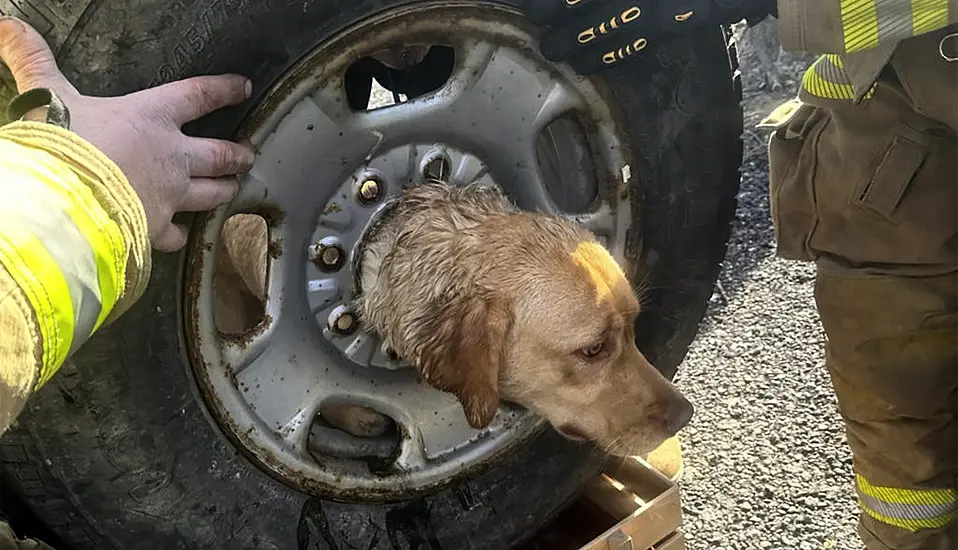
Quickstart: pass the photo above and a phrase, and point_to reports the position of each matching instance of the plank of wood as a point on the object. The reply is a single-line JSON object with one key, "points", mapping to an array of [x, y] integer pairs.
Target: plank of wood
{"points": [[647, 518], [675, 542]]}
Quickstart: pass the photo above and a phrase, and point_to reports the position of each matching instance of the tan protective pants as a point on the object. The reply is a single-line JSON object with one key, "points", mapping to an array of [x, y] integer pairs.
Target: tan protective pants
{"points": [[869, 191]]}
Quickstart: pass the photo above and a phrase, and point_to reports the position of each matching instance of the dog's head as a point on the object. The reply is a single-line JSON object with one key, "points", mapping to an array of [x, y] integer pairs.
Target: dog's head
{"points": [[554, 332]]}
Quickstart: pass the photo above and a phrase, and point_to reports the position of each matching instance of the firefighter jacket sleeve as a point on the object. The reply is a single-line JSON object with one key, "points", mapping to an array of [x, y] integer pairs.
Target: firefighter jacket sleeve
{"points": [[856, 37], [74, 253], [849, 26]]}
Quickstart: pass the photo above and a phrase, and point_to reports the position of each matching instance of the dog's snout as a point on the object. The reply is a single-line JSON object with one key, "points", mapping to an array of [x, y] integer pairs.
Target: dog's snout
{"points": [[678, 414]]}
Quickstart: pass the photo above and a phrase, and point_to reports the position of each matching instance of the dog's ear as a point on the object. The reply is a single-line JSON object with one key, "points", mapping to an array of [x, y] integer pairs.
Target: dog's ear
{"points": [[468, 347]]}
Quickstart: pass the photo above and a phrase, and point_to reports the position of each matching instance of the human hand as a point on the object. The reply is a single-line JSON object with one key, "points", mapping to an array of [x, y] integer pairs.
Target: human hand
{"points": [[141, 133], [595, 34]]}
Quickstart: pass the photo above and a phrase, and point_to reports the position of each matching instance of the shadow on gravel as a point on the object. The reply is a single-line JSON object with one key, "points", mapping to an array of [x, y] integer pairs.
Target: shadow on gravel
{"points": [[752, 241], [770, 77]]}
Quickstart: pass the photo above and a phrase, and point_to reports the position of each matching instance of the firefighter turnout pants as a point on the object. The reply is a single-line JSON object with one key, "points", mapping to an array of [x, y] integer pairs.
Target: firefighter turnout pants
{"points": [[869, 191]]}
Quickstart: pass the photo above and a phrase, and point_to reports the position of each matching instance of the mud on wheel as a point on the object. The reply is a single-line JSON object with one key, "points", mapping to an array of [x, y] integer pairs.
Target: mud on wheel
{"points": [[169, 430]]}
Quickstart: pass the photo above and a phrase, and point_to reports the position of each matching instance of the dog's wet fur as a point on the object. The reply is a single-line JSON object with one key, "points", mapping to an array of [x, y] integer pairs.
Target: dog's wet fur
{"points": [[492, 303]]}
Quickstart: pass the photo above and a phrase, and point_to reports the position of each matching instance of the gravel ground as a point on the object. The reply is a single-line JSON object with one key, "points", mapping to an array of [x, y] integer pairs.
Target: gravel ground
{"points": [[766, 462]]}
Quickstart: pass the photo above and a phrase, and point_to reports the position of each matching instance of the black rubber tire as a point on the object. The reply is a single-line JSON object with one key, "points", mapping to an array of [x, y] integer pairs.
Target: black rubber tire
{"points": [[118, 453]]}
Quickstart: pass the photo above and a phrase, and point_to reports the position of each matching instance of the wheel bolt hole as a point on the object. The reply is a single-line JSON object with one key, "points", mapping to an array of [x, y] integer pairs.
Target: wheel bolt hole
{"points": [[240, 275], [436, 169], [354, 432], [565, 159]]}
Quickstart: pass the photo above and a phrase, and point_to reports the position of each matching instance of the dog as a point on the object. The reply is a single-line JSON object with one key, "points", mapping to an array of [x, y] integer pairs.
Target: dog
{"points": [[520, 306]]}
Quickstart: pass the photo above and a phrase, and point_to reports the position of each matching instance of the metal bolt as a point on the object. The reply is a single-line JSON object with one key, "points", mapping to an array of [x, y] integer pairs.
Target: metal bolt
{"points": [[345, 323], [369, 190], [327, 256], [331, 256]]}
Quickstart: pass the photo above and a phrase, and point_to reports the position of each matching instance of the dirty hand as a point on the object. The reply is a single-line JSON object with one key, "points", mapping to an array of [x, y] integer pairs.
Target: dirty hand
{"points": [[140, 132], [595, 34]]}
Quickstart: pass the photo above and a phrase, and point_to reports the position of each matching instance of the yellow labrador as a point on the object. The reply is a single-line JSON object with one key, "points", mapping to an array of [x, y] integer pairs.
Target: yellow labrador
{"points": [[490, 303]]}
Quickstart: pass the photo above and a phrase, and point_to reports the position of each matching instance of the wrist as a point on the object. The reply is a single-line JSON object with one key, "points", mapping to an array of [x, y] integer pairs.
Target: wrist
{"points": [[39, 105]]}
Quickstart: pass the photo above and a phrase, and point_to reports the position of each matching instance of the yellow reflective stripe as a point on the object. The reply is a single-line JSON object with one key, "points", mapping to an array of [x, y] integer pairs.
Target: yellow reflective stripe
{"points": [[826, 78], [41, 208], [62, 248], [908, 509], [38, 275], [104, 237], [928, 15], [907, 496], [859, 24]]}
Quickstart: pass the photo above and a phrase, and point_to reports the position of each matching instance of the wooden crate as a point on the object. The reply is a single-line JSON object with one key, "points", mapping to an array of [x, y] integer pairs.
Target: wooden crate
{"points": [[629, 507]]}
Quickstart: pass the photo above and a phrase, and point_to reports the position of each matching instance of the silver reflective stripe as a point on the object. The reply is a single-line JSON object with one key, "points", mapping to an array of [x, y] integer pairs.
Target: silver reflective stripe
{"points": [[44, 214], [898, 510], [894, 20]]}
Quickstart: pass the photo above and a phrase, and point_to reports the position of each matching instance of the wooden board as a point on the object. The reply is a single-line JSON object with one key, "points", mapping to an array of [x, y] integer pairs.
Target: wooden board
{"points": [[629, 507]]}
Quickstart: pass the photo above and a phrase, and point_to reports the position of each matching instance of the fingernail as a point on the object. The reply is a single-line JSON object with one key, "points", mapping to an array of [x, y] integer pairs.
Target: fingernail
{"points": [[249, 158], [249, 88]]}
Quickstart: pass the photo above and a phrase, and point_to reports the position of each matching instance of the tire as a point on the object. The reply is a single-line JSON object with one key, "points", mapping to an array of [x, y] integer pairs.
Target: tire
{"points": [[118, 452]]}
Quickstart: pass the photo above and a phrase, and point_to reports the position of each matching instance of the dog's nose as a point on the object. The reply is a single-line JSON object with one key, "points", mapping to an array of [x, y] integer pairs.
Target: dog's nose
{"points": [[678, 414]]}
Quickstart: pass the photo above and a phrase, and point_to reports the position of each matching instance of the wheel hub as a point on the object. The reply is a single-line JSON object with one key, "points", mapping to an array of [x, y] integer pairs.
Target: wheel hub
{"points": [[333, 283], [324, 170]]}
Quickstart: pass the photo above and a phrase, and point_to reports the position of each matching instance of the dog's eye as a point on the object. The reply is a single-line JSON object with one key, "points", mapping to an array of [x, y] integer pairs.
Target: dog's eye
{"points": [[592, 351]]}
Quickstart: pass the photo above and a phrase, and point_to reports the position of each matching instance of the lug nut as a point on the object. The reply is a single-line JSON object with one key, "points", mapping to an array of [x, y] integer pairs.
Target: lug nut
{"points": [[344, 323], [331, 256], [369, 190], [327, 256]]}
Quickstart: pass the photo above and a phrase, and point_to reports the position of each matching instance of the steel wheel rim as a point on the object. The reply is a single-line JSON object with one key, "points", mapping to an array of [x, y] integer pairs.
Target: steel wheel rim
{"points": [[302, 357]]}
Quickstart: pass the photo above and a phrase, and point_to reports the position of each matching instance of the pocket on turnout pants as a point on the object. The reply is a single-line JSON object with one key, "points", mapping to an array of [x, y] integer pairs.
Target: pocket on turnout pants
{"points": [[870, 187], [792, 159]]}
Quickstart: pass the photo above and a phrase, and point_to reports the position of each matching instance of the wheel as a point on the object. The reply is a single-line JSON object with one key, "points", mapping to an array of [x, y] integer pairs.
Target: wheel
{"points": [[168, 430]]}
